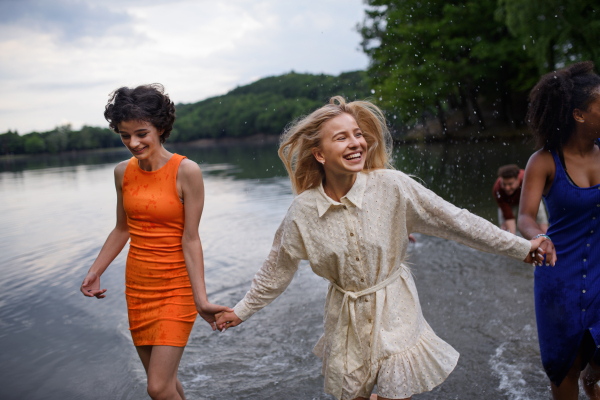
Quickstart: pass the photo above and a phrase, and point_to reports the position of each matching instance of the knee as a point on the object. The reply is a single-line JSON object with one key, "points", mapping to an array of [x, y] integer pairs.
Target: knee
{"points": [[158, 390], [574, 372]]}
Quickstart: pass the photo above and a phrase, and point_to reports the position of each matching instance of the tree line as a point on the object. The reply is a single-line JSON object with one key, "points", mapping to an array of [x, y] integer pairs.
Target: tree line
{"points": [[264, 107]]}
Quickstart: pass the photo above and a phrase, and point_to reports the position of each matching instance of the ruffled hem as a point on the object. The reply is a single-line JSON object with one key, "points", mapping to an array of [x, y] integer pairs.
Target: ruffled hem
{"points": [[418, 369]]}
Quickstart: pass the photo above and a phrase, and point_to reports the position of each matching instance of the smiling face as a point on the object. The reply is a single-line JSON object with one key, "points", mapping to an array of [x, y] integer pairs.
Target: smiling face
{"points": [[343, 148], [509, 185], [140, 137]]}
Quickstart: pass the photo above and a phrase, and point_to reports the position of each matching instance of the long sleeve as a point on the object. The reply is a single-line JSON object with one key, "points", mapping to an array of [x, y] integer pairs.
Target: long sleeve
{"points": [[276, 273], [430, 214]]}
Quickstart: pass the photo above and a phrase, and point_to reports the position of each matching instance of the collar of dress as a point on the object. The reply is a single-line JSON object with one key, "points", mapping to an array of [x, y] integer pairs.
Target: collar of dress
{"points": [[354, 196]]}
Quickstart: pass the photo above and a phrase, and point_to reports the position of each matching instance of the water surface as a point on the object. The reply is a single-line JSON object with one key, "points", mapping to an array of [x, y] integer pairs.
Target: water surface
{"points": [[56, 211]]}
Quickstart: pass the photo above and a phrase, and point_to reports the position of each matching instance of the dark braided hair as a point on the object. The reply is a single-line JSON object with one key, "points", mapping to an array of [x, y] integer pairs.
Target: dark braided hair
{"points": [[144, 103], [553, 100]]}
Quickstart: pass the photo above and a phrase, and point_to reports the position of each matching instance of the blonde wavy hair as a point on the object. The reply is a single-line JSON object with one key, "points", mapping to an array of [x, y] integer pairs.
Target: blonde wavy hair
{"points": [[304, 134]]}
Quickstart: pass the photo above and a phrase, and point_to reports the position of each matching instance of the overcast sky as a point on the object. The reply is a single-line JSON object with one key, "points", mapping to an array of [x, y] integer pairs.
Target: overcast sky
{"points": [[59, 59]]}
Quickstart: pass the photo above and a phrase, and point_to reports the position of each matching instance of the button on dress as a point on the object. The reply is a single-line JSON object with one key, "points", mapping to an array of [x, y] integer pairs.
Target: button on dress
{"points": [[566, 296], [375, 332]]}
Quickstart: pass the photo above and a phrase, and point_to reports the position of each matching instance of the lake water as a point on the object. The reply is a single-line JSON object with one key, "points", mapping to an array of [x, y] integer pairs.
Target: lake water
{"points": [[56, 211]]}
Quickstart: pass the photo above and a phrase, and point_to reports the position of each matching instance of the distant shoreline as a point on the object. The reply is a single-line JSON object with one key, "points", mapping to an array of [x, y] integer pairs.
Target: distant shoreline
{"points": [[462, 135], [257, 139]]}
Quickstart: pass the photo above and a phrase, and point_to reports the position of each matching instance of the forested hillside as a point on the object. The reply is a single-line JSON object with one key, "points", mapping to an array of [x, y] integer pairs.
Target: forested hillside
{"points": [[264, 106]]}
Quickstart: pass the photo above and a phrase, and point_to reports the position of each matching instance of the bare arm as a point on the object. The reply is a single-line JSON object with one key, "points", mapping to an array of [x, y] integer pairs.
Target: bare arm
{"points": [[117, 239], [190, 180], [538, 178], [511, 225]]}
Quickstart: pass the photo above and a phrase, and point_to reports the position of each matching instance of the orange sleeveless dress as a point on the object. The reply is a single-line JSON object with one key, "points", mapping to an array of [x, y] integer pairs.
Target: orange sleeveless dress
{"points": [[160, 302]]}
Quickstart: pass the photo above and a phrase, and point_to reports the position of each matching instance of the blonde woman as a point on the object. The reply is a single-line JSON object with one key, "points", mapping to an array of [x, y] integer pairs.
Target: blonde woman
{"points": [[351, 219]]}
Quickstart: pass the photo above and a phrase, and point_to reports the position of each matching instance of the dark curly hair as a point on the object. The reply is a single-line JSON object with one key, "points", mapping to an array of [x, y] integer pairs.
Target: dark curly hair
{"points": [[144, 103], [509, 171], [553, 100]]}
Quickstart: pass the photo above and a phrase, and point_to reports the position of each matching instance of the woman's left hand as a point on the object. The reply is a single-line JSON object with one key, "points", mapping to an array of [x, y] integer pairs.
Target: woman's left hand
{"points": [[208, 311]]}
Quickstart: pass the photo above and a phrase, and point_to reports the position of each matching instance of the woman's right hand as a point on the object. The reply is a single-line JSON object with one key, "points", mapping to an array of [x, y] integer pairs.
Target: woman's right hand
{"points": [[91, 286], [541, 249], [227, 320]]}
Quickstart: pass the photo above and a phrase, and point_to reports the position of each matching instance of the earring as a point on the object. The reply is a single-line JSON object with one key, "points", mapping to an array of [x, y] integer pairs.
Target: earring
{"points": [[580, 120]]}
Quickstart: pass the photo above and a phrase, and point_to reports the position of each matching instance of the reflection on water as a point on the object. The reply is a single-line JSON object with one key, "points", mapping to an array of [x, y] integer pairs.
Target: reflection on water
{"points": [[56, 211]]}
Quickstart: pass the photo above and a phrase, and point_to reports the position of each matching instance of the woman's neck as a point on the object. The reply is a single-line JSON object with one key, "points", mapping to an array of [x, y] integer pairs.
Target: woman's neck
{"points": [[156, 160], [580, 143], [337, 186]]}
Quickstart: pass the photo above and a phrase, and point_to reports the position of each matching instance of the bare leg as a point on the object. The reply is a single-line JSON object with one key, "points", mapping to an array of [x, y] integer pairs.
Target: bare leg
{"points": [[589, 380], [569, 387], [180, 390], [161, 364]]}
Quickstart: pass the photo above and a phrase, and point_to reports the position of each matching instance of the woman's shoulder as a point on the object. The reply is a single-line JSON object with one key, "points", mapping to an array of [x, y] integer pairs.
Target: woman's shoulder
{"points": [[542, 155], [304, 200], [121, 168], [188, 166], [541, 161], [390, 176]]}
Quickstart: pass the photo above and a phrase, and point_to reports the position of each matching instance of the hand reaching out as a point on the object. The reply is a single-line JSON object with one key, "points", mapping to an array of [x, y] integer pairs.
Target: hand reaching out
{"points": [[90, 287], [227, 320]]}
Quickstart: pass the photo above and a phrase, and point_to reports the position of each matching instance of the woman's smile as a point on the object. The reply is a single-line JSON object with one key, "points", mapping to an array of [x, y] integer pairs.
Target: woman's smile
{"points": [[354, 157]]}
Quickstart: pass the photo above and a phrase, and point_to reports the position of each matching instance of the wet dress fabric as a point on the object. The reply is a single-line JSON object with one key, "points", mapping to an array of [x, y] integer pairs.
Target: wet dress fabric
{"points": [[375, 332], [566, 296], [160, 302]]}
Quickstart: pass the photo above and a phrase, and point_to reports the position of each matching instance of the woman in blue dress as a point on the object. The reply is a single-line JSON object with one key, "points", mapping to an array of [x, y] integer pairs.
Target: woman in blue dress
{"points": [[564, 116]]}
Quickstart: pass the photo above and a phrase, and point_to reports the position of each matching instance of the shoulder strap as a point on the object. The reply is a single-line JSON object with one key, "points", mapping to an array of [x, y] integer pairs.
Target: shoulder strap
{"points": [[175, 160], [133, 163]]}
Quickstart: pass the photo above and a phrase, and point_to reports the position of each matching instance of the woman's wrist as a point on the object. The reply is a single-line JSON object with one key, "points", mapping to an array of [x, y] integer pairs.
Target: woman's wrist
{"points": [[542, 235], [201, 302]]}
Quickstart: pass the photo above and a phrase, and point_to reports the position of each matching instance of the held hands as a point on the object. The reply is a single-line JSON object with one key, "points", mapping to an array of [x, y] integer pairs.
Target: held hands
{"points": [[227, 320], [542, 250], [210, 312], [91, 286]]}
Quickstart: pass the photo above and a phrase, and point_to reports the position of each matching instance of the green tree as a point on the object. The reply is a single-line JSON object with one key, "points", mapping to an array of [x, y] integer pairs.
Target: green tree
{"points": [[34, 143], [554, 33], [429, 57], [57, 141], [12, 143]]}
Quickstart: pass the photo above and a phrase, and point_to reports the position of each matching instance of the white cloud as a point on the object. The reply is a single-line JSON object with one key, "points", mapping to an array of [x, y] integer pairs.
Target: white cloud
{"points": [[58, 70]]}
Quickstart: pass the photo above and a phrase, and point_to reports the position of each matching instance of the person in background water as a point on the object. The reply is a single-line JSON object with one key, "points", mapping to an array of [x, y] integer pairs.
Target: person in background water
{"points": [[351, 219], [507, 193], [564, 115], [160, 197]]}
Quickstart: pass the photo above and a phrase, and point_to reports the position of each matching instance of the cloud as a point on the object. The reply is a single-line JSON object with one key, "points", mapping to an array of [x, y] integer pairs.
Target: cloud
{"points": [[70, 20], [60, 62]]}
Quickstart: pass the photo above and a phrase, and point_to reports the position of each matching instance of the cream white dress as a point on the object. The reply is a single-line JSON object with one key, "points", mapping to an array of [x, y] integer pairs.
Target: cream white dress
{"points": [[375, 332]]}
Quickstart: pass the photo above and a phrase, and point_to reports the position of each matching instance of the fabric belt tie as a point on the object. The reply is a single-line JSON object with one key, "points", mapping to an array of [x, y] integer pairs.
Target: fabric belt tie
{"points": [[346, 348]]}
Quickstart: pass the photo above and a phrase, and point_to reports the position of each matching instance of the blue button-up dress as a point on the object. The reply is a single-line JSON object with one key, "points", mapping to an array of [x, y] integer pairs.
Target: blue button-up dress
{"points": [[566, 296]]}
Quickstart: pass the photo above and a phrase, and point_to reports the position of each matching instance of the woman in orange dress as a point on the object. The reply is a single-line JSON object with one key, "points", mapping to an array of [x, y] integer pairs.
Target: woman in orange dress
{"points": [[160, 197]]}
